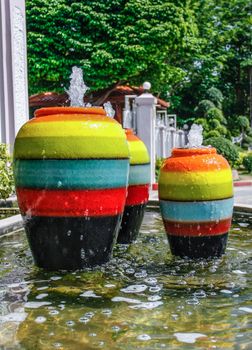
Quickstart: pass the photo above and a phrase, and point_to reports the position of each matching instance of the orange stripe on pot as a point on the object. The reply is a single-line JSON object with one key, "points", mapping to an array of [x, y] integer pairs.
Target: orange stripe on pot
{"points": [[68, 110], [203, 159], [130, 135]]}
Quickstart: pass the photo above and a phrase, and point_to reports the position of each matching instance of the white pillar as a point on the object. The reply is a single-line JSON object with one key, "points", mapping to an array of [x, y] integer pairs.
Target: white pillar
{"points": [[181, 138], [14, 110], [146, 115], [162, 141]]}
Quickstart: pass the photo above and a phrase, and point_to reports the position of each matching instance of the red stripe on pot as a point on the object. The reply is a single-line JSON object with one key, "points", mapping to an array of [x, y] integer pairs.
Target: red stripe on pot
{"points": [[138, 194], [71, 202], [197, 229]]}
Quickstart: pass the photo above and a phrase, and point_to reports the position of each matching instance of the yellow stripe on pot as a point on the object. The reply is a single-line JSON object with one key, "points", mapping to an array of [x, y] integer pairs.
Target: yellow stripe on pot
{"points": [[138, 153], [71, 138], [200, 185], [68, 128], [70, 148]]}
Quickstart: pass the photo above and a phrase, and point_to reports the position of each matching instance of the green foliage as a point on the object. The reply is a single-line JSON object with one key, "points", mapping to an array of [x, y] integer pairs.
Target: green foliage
{"points": [[247, 142], [203, 107], [114, 41], [203, 122], [212, 133], [159, 162], [222, 130], [247, 162], [214, 120], [214, 123], [243, 122], [223, 58], [224, 147], [6, 173], [197, 50], [215, 113], [215, 95], [239, 162]]}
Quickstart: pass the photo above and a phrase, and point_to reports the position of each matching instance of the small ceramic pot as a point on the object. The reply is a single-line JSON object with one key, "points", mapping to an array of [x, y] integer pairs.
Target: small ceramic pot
{"points": [[196, 201], [138, 189], [71, 170]]}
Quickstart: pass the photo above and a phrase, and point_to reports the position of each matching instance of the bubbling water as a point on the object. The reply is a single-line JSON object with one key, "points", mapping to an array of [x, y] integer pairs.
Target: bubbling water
{"points": [[77, 88], [109, 109], [195, 136]]}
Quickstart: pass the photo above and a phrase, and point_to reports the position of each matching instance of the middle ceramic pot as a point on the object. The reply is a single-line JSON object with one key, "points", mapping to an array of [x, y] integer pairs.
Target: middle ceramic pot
{"points": [[138, 189], [71, 172]]}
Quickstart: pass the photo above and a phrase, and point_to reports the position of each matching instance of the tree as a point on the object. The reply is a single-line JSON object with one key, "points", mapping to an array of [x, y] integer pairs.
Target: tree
{"points": [[224, 58], [113, 41], [211, 116]]}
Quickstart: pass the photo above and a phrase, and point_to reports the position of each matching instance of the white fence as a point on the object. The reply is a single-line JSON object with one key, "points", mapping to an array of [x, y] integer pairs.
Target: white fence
{"points": [[167, 136]]}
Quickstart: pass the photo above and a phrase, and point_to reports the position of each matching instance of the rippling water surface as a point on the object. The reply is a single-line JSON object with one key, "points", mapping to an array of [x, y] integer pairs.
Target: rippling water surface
{"points": [[143, 299]]}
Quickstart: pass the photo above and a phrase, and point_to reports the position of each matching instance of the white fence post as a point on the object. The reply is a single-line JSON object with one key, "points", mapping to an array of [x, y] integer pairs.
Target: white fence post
{"points": [[145, 126], [181, 138], [13, 69]]}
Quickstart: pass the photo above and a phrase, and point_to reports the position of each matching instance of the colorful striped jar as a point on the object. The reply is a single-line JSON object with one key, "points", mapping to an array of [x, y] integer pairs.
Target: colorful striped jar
{"points": [[138, 189], [196, 200], [71, 172]]}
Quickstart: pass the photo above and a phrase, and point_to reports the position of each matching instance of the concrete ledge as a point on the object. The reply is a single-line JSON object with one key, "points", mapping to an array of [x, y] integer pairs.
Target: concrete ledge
{"points": [[10, 224], [244, 208]]}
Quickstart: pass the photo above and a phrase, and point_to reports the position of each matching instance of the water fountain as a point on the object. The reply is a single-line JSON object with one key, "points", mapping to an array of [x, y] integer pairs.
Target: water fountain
{"points": [[71, 173], [142, 298], [196, 199]]}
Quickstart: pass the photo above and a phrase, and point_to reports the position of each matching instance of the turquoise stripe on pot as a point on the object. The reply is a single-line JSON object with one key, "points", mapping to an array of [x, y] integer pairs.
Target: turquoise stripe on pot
{"points": [[71, 174], [139, 174], [197, 211]]}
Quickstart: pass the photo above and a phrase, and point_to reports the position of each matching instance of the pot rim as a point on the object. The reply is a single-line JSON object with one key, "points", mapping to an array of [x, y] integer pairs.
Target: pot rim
{"points": [[47, 111], [186, 152]]}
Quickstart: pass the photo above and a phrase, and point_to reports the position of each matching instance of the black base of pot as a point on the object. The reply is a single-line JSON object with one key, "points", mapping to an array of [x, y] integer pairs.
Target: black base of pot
{"points": [[131, 222], [70, 243], [198, 247]]}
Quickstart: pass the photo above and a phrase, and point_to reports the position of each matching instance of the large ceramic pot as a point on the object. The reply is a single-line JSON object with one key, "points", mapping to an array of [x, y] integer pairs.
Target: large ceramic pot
{"points": [[138, 189], [196, 200], [71, 171]]}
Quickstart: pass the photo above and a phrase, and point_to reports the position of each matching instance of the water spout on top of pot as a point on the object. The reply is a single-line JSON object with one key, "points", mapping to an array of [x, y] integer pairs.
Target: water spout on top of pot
{"points": [[77, 88], [195, 136], [109, 109]]}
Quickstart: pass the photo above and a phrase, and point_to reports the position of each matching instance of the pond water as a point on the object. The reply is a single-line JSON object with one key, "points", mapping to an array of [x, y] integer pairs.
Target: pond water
{"points": [[143, 299]]}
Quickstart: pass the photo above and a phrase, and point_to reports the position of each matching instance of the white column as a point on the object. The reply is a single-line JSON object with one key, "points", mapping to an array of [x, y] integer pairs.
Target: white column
{"points": [[14, 110], [162, 141], [146, 115], [181, 138]]}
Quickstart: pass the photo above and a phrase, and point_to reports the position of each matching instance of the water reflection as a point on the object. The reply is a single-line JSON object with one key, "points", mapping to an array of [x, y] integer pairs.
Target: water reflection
{"points": [[143, 299]]}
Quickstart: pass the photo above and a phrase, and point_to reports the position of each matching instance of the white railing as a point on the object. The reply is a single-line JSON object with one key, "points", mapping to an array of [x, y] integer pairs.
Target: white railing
{"points": [[167, 136]]}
